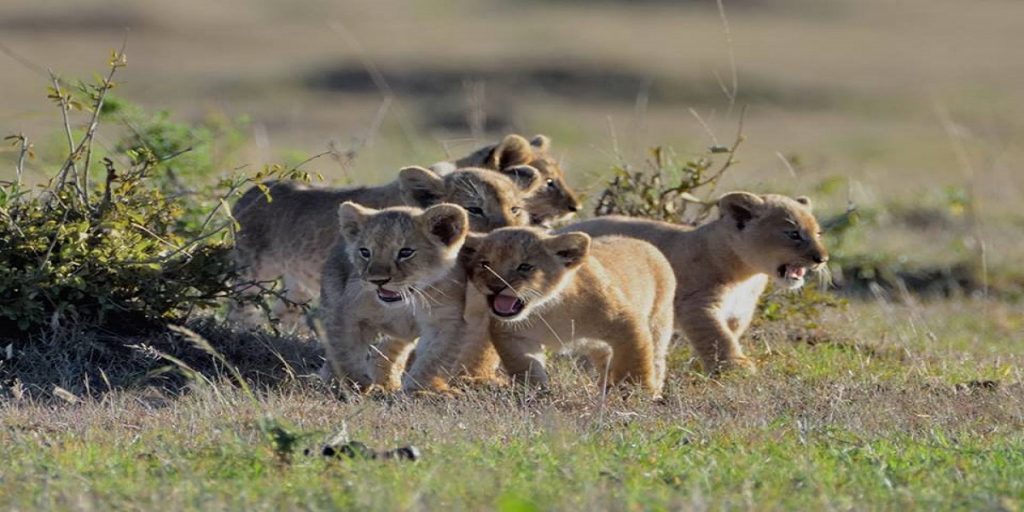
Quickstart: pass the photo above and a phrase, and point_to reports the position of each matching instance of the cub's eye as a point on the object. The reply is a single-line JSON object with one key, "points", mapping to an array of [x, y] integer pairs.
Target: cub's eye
{"points": [[794, 235], [364, 252], [405, 253], [552, 184], [474, 210], [516, 210], [524, 267]]}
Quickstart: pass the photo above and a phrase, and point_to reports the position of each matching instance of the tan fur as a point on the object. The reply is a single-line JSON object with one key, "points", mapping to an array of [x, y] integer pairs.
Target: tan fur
{"points": [[496, 202], [290, 235], [614, 289], [722, 268], [556, 200], [394, 251]]}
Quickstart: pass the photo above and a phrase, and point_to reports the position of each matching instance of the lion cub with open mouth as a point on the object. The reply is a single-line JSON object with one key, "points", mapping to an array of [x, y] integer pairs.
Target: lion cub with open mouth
{"points": [[722, 267], [373, 279], [542, 288]]}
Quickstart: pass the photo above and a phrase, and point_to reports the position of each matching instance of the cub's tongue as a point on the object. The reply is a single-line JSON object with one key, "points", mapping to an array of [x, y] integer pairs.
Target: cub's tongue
{"points": [[506, 304], [795, 272], [386, 294]]}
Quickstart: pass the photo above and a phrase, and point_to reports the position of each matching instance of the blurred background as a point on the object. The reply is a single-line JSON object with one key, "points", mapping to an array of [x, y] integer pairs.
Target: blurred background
{"points": [[911, 109]]}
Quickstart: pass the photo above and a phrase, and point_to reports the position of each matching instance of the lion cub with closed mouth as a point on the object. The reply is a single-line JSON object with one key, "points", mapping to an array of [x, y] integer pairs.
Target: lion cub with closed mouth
{"points": [[542, 288]]}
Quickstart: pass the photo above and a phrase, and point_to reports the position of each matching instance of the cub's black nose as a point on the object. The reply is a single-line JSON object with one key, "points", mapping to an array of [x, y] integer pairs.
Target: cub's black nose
{"points": [[496, 288], [818, 258], [381, 281], [573, 208]]}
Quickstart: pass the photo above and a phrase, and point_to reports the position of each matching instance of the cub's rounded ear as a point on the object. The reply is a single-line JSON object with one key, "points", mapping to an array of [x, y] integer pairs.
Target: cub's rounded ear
{"points": [[470, 247], [526, 177], [804, 200], [741, 207], [541, 142], [420, 186], [446, 223], [570, 248], [351, 217], [512, 150]]}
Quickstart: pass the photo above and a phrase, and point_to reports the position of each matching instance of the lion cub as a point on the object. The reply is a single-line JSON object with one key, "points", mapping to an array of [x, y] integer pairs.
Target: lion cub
{"points": [[555, 201], [722, 267], [410, 285], [542, 288], [291, 235], [376, 275]]}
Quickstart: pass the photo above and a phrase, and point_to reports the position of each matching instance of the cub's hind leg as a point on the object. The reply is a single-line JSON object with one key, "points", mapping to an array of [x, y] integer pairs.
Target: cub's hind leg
{"points": [[633, 357]]}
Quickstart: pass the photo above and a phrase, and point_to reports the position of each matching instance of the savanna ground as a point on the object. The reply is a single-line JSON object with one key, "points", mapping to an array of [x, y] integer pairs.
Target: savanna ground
{"points": [[906, 396]]}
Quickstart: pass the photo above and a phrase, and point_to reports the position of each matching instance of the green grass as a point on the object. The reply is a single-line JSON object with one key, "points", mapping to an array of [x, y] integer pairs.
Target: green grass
{"points": [[880, 423]]}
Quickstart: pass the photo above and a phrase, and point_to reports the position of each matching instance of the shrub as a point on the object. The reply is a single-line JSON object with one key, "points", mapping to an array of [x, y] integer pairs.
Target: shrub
{"points": [[133, 250]]}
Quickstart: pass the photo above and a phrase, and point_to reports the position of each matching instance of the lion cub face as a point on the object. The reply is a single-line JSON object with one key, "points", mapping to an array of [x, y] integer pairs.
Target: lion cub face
{"points": [[555, 200], [521, 269], [775, 234], [395, 250], [491, 200]]}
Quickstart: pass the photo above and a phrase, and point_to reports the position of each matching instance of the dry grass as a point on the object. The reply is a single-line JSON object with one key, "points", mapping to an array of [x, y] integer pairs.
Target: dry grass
{"points": [[922, 406]]}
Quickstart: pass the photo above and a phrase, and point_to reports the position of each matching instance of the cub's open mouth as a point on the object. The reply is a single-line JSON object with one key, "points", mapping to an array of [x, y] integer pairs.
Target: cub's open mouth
{"points": [[506, 305], [792, 272], [386, 295]]}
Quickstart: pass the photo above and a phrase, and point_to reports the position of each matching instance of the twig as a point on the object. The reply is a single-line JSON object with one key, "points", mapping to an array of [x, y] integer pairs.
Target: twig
{"points": [[118, 60], [713, 179], [732, 59], [65, 107], [377, 77]]}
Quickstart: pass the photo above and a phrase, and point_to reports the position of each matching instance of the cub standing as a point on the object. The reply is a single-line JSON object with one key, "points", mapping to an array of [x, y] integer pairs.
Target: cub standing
{"points": [[722, 267], [540, 288]]}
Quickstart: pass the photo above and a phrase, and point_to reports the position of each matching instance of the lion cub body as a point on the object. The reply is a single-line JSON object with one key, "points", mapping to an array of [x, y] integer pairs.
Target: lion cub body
{"points": [[722, 267], [372, 279], [540, 289]]}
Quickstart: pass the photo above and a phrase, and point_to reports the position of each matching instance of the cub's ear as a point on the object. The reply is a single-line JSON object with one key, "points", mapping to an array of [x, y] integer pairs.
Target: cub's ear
{"points": [[804, 200], [470, 247], [526, 177], [420, 187], [446, 223], [512, 150], [541, 142], [741, 207], [569, 248], [351, 217]]}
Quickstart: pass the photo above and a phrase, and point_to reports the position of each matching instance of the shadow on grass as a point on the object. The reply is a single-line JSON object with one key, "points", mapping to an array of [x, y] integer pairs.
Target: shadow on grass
{"points": [[91, 363]]}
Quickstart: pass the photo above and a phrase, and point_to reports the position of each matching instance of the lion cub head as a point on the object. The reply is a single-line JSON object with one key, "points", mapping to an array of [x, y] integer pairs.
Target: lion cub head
{"points": [[555, 200], [521, 269], [775, 234], [395, 250], [492, 200]]}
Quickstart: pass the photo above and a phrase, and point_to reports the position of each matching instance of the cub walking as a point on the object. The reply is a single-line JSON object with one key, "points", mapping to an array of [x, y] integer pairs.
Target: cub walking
{"points": [[540, 288]]}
